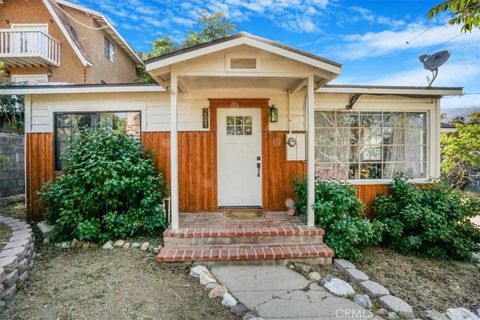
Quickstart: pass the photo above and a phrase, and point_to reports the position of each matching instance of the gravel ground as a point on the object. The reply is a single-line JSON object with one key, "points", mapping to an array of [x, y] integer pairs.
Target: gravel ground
{"points": [[98, 284], [118, 284], [423, 283]]}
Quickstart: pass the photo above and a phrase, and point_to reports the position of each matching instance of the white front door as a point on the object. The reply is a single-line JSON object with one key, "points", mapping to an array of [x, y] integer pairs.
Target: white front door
{"points": [[239, 152]]}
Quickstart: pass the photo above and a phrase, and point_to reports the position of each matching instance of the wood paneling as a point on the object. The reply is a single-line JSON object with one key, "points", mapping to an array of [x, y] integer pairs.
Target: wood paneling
{"points": [[159, 144], [197, 158], [39, 169], [198, 171], [278, 173], [367, 194]]}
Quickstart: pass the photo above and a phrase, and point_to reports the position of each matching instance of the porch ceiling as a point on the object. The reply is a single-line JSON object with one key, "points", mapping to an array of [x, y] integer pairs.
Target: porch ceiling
{"points": [[220, 82]]}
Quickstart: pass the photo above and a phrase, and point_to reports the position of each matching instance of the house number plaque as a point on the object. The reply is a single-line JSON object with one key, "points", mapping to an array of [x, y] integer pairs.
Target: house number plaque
{"points": [[205, 118]]}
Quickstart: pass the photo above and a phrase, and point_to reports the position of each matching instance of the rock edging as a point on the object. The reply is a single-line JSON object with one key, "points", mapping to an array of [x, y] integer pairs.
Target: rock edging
{"points": [[217, 290], [16, 258]]}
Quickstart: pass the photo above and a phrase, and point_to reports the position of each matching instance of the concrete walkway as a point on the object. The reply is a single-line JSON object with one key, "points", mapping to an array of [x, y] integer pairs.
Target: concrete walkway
{"points": [[276, 292]]}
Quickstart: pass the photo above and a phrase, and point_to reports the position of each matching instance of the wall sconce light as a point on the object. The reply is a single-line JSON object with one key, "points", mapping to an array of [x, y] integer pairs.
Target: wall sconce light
{"points": [[273, 113], [49, 73]]}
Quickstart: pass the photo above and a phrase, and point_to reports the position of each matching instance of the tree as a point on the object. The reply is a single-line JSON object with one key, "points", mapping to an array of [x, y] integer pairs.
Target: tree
{"points": [[214, 26], [465, 13], [460, 154], [11, 108], [474, 118], [162, 46], [210, 27]]}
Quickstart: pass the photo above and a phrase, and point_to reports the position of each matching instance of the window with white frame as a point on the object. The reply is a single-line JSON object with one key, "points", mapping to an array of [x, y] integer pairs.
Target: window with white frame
{"points": [[109, 49], [353, 145]]}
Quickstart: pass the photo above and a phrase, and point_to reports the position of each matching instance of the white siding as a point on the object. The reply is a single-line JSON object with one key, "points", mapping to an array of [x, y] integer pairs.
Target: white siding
{"points": [[155, 107]]}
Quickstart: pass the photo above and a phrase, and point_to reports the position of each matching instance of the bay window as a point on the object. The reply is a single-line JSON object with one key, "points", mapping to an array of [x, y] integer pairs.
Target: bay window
{"points": [[69, 125], [358, 145]]}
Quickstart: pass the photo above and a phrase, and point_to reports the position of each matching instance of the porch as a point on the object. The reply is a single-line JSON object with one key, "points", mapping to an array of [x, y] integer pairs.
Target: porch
{"points": [[229, 237]]}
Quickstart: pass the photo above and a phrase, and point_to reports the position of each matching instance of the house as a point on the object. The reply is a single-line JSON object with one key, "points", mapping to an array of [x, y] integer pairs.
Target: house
{"points": [[55, 41], [233, 122]]}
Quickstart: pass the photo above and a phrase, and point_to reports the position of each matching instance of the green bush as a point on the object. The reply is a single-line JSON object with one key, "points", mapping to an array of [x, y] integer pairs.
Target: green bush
{"points": [[340, 213], [109, 189], [431, 222]]}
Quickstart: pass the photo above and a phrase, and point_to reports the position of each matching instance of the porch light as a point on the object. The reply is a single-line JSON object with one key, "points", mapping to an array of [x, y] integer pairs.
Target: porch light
{"points": [[273, 113]]}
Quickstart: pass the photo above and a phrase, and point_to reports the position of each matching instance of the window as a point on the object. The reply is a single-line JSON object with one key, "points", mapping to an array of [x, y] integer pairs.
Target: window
{"points": [[370, 145], [109, 50], [68, 126], [239, 126]]}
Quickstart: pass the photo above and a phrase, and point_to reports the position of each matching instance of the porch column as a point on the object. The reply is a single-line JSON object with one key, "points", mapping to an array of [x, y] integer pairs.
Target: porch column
{"points": [[310, 152], [174, 152]]}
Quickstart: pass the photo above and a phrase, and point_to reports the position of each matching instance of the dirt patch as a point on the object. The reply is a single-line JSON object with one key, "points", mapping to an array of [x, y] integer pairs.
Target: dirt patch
{"points": [[423, 283], [15, 210], [5, 233], [119, 284]]}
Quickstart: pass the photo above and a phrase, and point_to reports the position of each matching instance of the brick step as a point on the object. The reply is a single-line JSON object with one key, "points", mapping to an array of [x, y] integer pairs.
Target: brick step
{"points": [[242, 235], [255, 252]]}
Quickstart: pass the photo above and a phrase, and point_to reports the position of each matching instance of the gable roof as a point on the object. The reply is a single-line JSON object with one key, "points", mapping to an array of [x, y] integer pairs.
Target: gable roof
{"points": [[239, 39], [63, 21], [68, 32]]}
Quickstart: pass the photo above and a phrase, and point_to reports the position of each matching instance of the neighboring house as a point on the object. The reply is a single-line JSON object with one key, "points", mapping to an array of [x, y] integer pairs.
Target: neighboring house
{"points": [[447, 127], [54, 41], [233, 122]]}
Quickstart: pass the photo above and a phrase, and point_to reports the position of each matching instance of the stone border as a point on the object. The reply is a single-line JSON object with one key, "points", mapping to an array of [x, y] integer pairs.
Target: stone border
{"points": [[217, 290], [15, 258]]}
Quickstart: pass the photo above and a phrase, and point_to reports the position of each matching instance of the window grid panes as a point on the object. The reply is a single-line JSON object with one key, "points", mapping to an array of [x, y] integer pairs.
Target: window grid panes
{"points": [[370, 145], [69, 125], [239, 125]]}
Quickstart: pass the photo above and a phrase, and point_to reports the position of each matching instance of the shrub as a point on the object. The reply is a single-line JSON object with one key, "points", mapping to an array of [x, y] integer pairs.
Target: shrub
{"points": [[431, 222], [340, 213], [109, 189], [460, 154]]}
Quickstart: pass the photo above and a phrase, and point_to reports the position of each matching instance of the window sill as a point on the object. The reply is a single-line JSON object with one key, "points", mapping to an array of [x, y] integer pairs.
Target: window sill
{"points": [[386, 181]]}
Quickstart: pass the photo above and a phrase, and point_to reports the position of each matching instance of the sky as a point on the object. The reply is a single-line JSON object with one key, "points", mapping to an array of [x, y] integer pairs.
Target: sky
{"points": [[377, 41]]}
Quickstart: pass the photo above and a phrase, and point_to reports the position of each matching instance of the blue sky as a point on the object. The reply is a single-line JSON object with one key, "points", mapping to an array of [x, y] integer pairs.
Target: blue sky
{"points": [[368, 37]]}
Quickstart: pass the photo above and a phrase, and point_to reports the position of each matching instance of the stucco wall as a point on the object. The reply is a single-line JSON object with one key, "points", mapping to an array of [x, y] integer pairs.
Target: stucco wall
{"points": [[71, 69], [33, 11], [121, 70]]}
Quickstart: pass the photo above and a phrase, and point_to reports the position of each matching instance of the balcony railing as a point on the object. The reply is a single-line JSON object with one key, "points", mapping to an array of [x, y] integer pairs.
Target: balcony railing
{"points": [[28, 48]]}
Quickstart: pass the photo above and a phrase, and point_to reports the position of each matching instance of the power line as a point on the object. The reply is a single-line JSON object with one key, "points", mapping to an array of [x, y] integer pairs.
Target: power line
{"points": [[451, 39], [80, 23]]}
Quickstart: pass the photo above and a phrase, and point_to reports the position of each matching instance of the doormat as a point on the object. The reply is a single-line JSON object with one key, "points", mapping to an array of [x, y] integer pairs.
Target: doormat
{"points": [[244, 214]]}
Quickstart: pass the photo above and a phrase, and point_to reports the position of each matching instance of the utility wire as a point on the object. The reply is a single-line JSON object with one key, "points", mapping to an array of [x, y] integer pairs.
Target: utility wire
{"points": [[444, 43], [80, 23], [424, 31]]}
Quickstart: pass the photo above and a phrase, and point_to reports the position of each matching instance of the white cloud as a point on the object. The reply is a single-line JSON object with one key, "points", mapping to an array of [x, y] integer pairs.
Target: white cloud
{"points": [[369, 16], [466, 101], [453, 74], [372, 44]]}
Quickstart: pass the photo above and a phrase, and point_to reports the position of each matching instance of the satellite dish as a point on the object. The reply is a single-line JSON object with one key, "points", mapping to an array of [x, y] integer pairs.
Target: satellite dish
{"points": [[433, 62]]}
